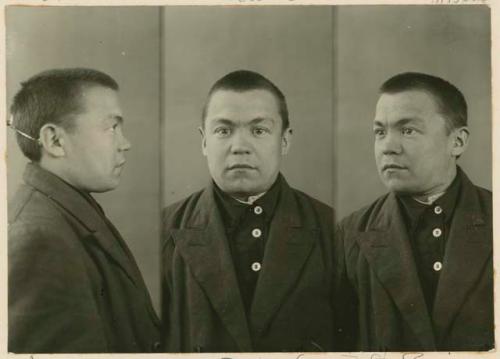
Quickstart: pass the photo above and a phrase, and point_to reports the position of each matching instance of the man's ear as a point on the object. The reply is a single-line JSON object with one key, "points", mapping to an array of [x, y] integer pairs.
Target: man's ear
{"points": [[203, 141], [460, 140], [286, 141], [52, 140]]}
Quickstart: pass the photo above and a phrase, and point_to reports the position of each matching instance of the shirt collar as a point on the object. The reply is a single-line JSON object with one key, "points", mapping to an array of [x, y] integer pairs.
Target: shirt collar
{"points": [[413, 210], [233, 209]]}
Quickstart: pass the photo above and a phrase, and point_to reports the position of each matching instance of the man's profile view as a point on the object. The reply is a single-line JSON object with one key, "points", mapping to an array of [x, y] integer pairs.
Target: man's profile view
{"points": [[74, 286]]}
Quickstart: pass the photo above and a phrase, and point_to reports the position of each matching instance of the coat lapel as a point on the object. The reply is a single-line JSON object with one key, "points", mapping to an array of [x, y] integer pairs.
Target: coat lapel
{"points": [[290, 241], [204, 247], [468, 249], [387, 248], [82, 211]]}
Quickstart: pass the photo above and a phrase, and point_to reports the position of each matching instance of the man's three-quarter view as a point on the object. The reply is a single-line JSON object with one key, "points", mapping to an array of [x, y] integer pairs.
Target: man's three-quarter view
{"points": [[414, 269]]}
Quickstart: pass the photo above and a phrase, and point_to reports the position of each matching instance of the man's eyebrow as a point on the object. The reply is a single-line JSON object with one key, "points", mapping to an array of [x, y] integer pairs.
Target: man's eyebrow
{"points": [[401, 122], [258, 120], [228, 122], [222, 120], [409, 120]]}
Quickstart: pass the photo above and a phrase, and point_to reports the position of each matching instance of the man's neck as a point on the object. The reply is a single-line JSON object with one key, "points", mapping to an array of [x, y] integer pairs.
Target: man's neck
{"points": [[433, 194], [56, 169]]}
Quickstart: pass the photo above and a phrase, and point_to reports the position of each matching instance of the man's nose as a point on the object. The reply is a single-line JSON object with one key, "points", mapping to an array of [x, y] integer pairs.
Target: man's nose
{"points": [[125, 144], [240, 143], [391, 143]]}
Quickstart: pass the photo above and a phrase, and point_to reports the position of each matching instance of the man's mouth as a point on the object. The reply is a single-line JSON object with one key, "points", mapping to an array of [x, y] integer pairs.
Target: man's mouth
{"points": [[393, 167], [240, 166]]}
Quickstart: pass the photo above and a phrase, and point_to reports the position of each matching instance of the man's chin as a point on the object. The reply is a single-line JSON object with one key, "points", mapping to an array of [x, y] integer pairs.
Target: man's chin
{"points": [[105, 187], [240, 188], [397, 185]]}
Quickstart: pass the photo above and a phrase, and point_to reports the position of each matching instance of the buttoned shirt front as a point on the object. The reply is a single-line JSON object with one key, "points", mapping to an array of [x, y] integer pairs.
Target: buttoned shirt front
{"points": [[428, 228], [247, 229]]}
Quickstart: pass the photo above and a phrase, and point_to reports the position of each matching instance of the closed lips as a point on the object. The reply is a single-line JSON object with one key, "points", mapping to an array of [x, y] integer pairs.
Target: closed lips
{"points": [[393, 166], [240, 166]]}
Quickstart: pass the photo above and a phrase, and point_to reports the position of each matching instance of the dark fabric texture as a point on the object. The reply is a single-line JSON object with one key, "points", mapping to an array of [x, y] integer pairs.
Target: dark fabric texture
{"points": [[380, 303], [240, 220], [428, 249], [292, 308], [74, 286]]}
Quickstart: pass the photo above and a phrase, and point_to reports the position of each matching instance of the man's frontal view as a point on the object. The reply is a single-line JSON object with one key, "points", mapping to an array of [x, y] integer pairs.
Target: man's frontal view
{"points": [[247, 261], [415, 268], [74, 286]]}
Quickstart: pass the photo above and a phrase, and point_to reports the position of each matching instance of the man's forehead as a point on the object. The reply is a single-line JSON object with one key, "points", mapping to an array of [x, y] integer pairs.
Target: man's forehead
{"points": [[414, 103], [248, 100], [411, 100], [96, 97], [246, 107]]}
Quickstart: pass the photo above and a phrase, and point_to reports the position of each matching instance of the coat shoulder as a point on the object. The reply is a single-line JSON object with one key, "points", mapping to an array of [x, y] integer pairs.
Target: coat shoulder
{"points": [[321, 209], [28, 205], [173, 214], [177, 214], [485, 199], [359, 219], [31, 211]]}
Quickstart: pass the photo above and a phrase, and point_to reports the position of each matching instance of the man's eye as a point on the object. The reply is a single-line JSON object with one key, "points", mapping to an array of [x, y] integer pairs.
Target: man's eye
{"points": [[222, 131], [407, 131], [259, 131], [378, 132]]}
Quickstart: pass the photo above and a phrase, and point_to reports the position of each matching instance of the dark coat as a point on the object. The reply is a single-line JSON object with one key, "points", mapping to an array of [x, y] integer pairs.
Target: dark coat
{"points": [[73, 284], [291, 309], [382, 304]]}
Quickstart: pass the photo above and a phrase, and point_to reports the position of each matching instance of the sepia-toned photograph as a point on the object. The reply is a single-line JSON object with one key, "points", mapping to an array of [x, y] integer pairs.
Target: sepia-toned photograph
{"points": [[249, 179]]}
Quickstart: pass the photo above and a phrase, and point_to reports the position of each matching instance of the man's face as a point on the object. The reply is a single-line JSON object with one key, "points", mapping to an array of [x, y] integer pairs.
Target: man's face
{"points": [[413, 151], [95, 146], [243, 141]]}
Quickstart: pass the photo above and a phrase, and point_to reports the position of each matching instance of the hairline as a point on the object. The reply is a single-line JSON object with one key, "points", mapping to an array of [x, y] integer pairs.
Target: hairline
{"points": [[257, 88], [67, 121], [441, 107]]}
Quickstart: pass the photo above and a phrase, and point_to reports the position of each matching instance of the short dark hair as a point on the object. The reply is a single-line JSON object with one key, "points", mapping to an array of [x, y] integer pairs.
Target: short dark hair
{"points": [[50, 97], [244, 80], [449, 98]]}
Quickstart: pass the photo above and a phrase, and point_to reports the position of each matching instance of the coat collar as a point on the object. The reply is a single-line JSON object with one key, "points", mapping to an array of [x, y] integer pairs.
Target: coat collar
{"points": [[468, 248], [204, 246], [80, 208], [386, 246]]}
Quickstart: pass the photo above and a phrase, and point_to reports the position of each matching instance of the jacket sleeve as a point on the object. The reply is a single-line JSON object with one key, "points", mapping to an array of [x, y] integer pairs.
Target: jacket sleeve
{"points": [[345, 299], [52, 308]]}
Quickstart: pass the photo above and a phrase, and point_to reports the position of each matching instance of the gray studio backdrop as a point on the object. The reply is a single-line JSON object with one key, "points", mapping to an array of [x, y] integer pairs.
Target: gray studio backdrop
{"points": [[328, 61], [123, 42], [376, 42], [292, 46]]}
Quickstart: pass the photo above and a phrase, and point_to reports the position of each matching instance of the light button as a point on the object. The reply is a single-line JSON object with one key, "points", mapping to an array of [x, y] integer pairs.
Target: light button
{"points": [[256, 233], [437, 266], [257, 210], [436, 232], [256, 266], [438, 210]]}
